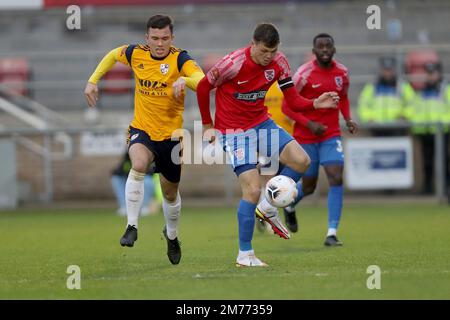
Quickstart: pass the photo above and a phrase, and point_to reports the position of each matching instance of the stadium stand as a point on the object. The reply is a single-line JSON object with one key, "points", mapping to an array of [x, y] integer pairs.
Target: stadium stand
{"points": [[15, 74]]}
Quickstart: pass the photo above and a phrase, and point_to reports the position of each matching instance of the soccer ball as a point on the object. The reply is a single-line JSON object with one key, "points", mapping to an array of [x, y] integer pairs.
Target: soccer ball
{"points": [[281, 191]]}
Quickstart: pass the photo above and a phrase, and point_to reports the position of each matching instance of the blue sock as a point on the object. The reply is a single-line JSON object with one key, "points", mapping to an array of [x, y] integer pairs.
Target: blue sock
{"points": [[246, 220], [335, 196], [300, 195], [296, 176]]}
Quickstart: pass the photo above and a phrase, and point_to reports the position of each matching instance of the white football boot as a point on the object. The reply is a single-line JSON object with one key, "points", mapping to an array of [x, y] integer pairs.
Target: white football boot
{"points": [[248, 259], [272, 218]]}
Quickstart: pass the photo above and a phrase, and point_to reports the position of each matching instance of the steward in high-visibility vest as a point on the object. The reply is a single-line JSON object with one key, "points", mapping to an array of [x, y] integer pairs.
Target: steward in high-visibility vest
{"points": [[383, 101], [431, 104]]}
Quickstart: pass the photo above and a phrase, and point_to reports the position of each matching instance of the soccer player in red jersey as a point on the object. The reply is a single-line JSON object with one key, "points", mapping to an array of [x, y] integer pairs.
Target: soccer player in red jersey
{"points": [[244, 128], [318, 131]]}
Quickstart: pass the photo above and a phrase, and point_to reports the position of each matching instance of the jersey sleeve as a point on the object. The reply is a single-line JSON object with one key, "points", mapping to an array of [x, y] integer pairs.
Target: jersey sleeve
{"points": [[295, 116], [344, 102], [125, 54], [299, 78], [224, 70], [284, 67], [189, 70], [108, 61], [186, 65]]}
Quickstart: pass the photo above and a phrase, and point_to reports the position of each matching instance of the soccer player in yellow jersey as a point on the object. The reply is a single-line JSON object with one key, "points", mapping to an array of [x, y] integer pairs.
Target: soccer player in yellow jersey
{"points": [[273, 101], [162, 72]]}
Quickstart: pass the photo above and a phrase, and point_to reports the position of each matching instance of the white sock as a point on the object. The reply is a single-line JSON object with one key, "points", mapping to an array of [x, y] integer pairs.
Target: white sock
{"points": [[331, 232], [266, 207], [290, 209], [134, 195], [245, 253], [171, 215]]}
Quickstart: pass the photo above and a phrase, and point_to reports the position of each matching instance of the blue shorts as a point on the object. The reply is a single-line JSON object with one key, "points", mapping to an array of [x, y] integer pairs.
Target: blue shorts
{"points": [[245, 147], [324, 153]]}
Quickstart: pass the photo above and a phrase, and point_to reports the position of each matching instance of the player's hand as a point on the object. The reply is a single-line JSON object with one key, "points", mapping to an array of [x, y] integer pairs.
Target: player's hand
{"points": [[317, 128], [326, 100], [352, 126], [178, 88], [91, 94], [209, 133]]}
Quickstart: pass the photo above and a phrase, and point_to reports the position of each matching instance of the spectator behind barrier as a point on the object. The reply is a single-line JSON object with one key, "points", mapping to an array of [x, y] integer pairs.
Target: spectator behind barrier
{"points": [[383, 101], [430, 105]]}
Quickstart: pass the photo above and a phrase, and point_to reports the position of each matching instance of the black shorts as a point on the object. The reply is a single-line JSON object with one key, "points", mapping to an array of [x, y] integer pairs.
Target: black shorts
{"points": [[162, 151]]}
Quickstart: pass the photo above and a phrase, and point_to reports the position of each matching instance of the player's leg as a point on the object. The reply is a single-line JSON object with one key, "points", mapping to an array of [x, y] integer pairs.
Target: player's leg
{"points": [[250, 185], [261, 224], [332, 159], [305, 186], [278, 146], [171, 207], [149, 190], [170, 172], [156, 205], [241, 151], [140, 157]]}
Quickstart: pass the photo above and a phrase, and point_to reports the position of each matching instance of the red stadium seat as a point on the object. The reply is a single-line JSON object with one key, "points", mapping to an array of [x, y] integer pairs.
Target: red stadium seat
{"points": [[118, 80], [15, 74], [415, 65]]}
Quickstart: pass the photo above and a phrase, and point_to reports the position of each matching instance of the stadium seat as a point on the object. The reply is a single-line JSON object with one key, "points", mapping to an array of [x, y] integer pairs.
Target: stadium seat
{"points": [[15, 74], [415, 65], [117, 80]]}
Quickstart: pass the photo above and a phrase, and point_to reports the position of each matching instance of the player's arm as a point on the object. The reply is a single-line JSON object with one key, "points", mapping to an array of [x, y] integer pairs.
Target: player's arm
{"points": [[204, 87], [316, 128], [221, 72], [344, 106], [294, 99], [108, 61], [191, 74], [299, 103]]}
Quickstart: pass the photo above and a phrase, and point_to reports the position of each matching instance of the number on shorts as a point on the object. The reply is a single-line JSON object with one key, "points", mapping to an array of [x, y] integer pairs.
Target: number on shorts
{"points": [[339, 146]]}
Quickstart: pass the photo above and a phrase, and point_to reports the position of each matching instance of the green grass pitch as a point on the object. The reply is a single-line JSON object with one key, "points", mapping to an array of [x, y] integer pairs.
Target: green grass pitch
{"points": [[410, 244]]}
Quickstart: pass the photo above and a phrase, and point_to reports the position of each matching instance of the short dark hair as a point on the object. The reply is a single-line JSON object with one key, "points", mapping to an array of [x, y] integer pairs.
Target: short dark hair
{"points": [[160, 22], [322, 35], [266, 33]]}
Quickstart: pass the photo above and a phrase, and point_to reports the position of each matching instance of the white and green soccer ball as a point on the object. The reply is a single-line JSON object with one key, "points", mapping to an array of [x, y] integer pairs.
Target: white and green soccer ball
{"points": [[281, 191]]}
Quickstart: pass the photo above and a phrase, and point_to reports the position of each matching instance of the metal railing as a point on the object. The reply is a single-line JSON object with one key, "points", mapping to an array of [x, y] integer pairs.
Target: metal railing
{"points": [[69, 153]]}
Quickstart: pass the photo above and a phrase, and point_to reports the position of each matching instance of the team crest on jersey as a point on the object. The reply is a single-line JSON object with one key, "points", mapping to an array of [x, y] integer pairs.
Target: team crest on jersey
{"points": [[239, 154], [164, 68], [269, 74], [339, 82]]}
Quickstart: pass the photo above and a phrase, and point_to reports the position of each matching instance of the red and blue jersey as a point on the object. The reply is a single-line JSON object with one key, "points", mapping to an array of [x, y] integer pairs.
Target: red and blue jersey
{"points": [[241, 87], [311, 81]]}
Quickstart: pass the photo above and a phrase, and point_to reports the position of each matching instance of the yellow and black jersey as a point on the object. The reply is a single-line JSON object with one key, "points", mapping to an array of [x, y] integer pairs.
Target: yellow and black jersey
{"points": [[156, 111], [274, 101]]}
